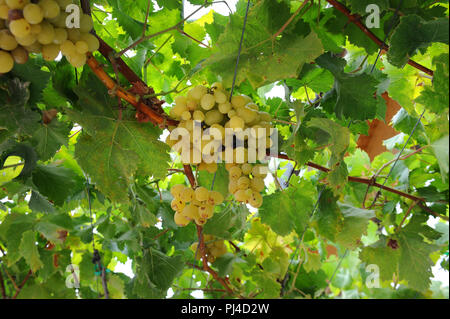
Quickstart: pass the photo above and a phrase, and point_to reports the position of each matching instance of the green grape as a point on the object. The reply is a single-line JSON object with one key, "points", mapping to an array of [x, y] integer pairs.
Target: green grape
{"points": [[177, 110], [232, 113], [255, 200], [266, 117], [187, 194], [91, 41], [50, 8], [17, 4], [50, 51], [177, 204], [6, 62], [241, 196], [73, 35], [20, 55], [217, 86], [200, 221], [215, 198], [60, 36], [246, 168], [20, 28], [215, 129], [201, 194], [36, 29], [176, 190], [220, 97], [27, 40], [186, 115], [198, 116], [192, 105], [197, 92], [33, 13], [64, 3], [60, 20], [181, 220], [237, 123], [68, 48], [206, 211], [190, 212], [207, 102], [243, 182], [86, 23], [213, 117], [47, 34], [7, 41], [248, 115], [4, 11], [259, 171], [77, 60], [82, 47], [257, 184], [225, 107], [235, 172], [238, 101]]}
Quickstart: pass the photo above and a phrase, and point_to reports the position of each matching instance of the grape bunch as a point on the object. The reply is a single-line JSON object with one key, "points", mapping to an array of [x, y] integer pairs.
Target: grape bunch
{"points": [[39, 26], [246, 182], [211, 108], [193, 205], [214, 247]]}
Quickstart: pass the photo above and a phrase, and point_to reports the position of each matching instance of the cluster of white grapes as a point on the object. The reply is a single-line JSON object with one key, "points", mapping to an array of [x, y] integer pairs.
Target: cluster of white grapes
{"points": [[246, 182], [212, 109], [40, 26], [214, 247], [193, 205]]}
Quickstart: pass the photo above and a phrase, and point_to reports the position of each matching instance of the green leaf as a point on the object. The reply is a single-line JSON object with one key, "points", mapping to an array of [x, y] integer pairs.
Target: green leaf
{"points": [[290, 209], [40, 204], [383, 256], [225, 264], [440, 149], [49, 138], [32, 72], [262, 59], [57, 183], [312, 262], [355, 225], [415, 33], [220, 180], [228, 222], [352, 94], [360, 6], [113, 150], [29, 251], [329, 217], [162, 269]]}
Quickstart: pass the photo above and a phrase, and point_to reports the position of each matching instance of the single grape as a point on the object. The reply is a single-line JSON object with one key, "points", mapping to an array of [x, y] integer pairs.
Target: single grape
{"points": [[213, 117], [215, 198], [241, 195], [206, 211], [238, 101], [199, 116], [197, 92], [36, 29], [187, 194], [6, 62], [186, 115], [91, 41], [181, 220], [243, 182], [257, 184], [207, 102], [35, 47], [255, 200], [237, 123], [190, 212], [7, 41], [177, 204], [82, 47], [220, 97], [27, 40], [86, 23], [176, 190], [73, 35], [246, 168], [235, 172], [77, 60], [201, 194], [259, 171], [20, 28], [217, 86], [17, 4], [20, 55], [50, 51], [33, 13], [47, 34], [225, 107], [50, 8], [68, 48], [60, 36]]}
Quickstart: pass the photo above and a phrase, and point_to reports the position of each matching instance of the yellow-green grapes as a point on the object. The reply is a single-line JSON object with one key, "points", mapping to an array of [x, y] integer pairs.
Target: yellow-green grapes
{"points": [[193, 205], [40, 27], [214, 248], [246, 182]]}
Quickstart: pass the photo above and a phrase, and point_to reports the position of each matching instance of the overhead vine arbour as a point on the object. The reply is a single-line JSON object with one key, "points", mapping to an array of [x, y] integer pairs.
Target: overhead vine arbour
{"points": [[346, 211], [41, 27]]}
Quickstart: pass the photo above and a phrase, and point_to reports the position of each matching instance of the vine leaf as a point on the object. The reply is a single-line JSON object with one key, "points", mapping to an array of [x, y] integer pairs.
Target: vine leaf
{"points": [[289, 210], [353, 95], [29, 251], [263, 60], [355, 225], [414, 33], [113, 150], [49, 138]]}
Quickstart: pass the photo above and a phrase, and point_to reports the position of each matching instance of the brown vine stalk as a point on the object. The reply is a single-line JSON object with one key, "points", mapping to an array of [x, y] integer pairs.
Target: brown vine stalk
{"points": [[355, 19]]}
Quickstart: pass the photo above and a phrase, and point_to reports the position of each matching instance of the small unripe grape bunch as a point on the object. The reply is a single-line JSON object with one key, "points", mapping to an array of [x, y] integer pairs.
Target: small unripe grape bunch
{"points": [[193, 205], [214, 248], [40, 26], [246, 182]]}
